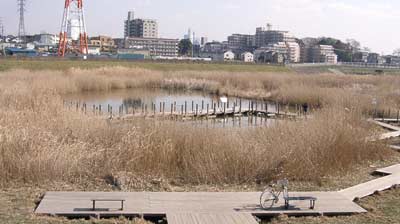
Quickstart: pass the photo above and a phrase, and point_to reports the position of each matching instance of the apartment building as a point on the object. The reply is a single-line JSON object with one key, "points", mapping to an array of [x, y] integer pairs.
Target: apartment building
{"points": [[241, 42], [264, 37], [105, 43], [293, 52], [156, 46], [324, 54], [146, 28]]}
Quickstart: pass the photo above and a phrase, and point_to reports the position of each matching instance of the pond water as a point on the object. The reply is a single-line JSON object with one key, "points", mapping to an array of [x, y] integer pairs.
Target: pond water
{"points": [[122, 102]]}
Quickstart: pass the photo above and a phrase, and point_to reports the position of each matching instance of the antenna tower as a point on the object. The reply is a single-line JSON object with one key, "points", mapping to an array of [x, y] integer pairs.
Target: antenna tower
{"points": [[21, 27], [73, 36]]}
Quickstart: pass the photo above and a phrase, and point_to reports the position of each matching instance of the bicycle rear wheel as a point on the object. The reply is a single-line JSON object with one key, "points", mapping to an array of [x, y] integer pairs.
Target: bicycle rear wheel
{"points": [[267, 198]]}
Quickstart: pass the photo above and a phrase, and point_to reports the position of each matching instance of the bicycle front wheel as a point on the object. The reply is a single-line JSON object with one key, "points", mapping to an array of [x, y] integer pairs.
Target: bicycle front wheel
{"points": [[267, 198]]}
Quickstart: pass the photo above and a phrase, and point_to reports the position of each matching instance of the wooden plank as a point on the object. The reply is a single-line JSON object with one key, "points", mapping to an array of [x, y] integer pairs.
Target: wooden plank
{"points": [[395, 147], [369, 188], [386, 125], [395, 169], [211, 218], [389, 135], [137, 203]]}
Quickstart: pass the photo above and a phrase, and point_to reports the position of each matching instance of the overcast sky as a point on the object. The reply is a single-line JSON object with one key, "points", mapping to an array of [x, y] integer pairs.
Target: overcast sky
{"points": [[375, 23]]}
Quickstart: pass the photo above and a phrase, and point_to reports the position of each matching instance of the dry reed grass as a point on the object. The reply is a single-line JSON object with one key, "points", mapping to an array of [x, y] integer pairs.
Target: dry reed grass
{"points": [[41, 141]]}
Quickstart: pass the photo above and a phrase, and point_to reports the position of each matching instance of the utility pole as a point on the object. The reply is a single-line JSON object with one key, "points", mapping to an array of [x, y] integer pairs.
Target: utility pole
{"points": [[21, 28], [1, 28], [193, 44]]}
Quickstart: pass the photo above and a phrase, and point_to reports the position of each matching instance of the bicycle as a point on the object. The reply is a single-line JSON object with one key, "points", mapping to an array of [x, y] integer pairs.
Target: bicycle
{"points": [[270, 196]]}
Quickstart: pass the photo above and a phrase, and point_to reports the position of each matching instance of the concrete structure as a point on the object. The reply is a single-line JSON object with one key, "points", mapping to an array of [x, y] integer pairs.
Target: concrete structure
{"points": [[293, 52], [105, 43], [324, 54], [247, 57], [147, 28], [264, 37], [241, 43], [156, 46], [132, 54]]}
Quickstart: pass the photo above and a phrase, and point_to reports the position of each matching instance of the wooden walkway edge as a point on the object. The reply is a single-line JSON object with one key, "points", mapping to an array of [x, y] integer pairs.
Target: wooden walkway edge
{"points": [[370, 187], [209, 218]]}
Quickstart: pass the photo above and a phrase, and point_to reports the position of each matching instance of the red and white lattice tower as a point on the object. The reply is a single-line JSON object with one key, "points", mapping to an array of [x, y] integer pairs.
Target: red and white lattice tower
{"points": [[73, 36]]}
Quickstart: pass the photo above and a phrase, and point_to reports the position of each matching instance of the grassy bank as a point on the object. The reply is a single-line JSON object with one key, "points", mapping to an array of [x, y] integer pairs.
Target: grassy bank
{"points": [[41, 141], [56, 64]]}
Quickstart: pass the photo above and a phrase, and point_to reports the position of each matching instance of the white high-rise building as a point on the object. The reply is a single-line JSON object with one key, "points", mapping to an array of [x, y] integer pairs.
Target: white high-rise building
{"points": [[293, 52]]}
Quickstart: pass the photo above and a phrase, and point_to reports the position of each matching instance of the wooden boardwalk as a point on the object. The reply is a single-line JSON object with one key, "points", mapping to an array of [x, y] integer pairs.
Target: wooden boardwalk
{"points": [[370, 187], [395, 169], [386, 125], [209, 218], [178, 205], [205, 114], [395, 147]]}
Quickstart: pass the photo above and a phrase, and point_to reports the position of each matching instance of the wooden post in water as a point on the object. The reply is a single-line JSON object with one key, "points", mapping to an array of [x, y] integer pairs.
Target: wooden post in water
{"points": [[398, 115], [145, 109], [215, 110], [100, 109], [227, 102], [202, 105], [224, 109], [163, 108], [192, 106], [277, 104], [111, 111], [185, 108], [240, 106], [181, 109], [160, 107], [174, 106], [197, 109], [207, 109]]}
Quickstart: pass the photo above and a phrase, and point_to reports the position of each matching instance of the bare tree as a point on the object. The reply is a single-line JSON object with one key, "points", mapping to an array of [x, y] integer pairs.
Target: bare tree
{"points": [[396, 52], [354, 44]]}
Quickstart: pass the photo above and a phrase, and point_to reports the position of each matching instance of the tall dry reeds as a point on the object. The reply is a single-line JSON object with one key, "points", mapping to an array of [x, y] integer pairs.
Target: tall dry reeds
{"points": [[41, 141]]}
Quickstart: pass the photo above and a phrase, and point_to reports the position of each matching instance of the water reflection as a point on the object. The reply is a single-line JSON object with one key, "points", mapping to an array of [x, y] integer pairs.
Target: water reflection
{"points": [[122, 102]]}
